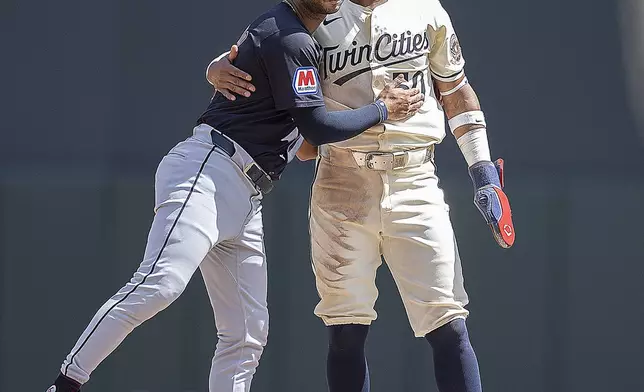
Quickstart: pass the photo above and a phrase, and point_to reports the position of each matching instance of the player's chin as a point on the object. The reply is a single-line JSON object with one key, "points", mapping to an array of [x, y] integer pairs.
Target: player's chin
{"points": [[332, 6]]}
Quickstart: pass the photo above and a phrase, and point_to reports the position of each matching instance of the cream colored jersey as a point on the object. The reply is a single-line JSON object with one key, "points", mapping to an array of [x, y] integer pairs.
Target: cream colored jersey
{"points": [[365, 48]]}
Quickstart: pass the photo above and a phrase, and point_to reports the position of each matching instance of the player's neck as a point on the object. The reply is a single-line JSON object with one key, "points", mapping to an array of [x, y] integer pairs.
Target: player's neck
{"points": [[310, 20]]}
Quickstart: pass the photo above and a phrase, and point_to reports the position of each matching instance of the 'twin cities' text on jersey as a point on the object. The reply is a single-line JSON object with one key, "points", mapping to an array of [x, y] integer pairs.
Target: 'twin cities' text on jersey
{"points": [[388, 49], [280, 54], [364, 48]]}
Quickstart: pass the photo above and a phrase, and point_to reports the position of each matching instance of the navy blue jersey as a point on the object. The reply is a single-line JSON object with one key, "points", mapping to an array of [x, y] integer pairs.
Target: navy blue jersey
{"points": [[280, 54]]}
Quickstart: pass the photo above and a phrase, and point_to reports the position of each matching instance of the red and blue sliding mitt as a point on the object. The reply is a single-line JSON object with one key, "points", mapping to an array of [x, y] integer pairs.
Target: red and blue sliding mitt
{"points": [[491, 201]]}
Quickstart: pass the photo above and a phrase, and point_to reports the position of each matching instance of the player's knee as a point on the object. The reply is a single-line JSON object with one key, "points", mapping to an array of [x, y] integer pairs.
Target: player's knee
{"points": [[258, 328], [250, 332], [169, 287], [148, 297], [348, 337], [453, 333]]}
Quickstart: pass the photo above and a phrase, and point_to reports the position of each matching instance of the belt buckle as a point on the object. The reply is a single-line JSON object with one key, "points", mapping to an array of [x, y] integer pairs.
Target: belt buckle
{"points": [[369, 157], [260, 179], [399, 160], [394, 161]]}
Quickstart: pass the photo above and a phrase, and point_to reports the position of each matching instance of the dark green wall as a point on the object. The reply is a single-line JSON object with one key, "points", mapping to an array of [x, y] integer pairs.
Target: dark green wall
{"points": [[94, 93]]}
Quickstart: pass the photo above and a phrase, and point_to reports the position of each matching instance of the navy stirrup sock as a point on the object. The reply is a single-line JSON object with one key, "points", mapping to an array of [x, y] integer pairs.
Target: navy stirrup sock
{"points": [[64, 384], [346, 365], [455, 364]]}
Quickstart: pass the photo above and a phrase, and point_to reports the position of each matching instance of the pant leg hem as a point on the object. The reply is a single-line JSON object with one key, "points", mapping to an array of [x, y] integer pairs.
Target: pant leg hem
{"points": [[346, 320], [447, 320]]}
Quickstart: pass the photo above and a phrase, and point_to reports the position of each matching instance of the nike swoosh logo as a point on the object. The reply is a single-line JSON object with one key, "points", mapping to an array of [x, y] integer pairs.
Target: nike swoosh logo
{"points": [[328, 22]]}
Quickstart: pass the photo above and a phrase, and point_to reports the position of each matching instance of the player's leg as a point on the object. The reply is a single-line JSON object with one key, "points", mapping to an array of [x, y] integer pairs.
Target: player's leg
{"points": [[421, 252], [235, 275], [455, 364], [186, 226], [159, 280], [344, 224], [347, 369]]}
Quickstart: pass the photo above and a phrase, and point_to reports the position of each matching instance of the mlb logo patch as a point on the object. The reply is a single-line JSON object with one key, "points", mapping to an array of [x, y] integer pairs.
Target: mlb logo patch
{"points": [[305, 81]]}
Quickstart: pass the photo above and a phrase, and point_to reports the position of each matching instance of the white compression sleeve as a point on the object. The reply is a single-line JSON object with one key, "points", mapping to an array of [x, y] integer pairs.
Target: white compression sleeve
{"points": [[474, 146]]}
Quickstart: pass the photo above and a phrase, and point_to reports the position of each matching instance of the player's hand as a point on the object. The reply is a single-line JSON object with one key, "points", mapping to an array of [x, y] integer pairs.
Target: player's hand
{"points": [[491, 201], [228, 79], [402, 102]]}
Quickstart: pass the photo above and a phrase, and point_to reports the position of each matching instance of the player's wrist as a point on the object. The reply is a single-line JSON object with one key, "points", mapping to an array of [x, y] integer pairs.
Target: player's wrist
{"points": [[484, 173], [382, 109]]}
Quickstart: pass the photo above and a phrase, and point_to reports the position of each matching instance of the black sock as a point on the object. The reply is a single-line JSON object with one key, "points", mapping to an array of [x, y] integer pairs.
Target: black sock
{"points": [[346, 364], [455, 363], [65, 384]]}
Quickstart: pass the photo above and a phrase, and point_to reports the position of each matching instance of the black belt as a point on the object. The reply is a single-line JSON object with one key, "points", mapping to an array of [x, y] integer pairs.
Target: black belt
{"points": [[255, 174]]}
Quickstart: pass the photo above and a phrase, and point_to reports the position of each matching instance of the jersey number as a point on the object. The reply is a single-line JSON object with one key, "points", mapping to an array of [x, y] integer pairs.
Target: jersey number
{"points": [[418, 79]]}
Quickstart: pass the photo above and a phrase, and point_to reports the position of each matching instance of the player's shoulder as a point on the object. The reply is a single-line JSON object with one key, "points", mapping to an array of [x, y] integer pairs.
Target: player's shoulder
{"points": [[429, 5], [281, 31], [415, 6], [278, 20], [434, 11]]}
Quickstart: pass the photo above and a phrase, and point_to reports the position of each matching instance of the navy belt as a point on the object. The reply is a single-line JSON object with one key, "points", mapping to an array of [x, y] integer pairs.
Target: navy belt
{"points": [[255, 174]]}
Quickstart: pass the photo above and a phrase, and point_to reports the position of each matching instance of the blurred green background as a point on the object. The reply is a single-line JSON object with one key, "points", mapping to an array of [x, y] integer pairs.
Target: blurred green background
{"points": [[95, 93]]}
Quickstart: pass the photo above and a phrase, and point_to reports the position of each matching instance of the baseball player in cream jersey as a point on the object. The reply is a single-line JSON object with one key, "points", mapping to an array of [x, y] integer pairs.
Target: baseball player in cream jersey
{"points": [[209, 189], [376, 196]]}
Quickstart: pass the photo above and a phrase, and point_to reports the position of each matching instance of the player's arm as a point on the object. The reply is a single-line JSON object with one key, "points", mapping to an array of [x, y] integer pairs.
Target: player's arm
{"points": [[460, 103], [458, 97], [467, 123], [290, 60]]}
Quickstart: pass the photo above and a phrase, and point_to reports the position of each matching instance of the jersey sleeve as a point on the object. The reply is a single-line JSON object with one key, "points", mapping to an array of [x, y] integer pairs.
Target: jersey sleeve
{"points": [[445, 57], [291, 62]]}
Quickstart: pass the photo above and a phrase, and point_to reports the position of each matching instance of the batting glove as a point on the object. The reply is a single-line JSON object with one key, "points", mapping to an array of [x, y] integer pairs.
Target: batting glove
{"points": [[491, 201]]}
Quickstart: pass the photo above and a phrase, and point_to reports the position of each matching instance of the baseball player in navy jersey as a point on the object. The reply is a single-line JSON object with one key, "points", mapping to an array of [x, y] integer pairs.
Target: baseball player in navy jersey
{"points": [[208, 193], [376, 196]]}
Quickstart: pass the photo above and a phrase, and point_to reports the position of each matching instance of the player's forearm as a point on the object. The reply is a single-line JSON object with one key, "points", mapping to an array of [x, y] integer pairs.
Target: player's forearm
{"points": [[318, 126], [466, 120], [462, 101]]}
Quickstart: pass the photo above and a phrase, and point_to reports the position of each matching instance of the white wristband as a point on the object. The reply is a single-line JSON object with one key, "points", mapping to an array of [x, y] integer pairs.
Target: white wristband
{"points": [[474, 117], [455, 89], [474, 146]]}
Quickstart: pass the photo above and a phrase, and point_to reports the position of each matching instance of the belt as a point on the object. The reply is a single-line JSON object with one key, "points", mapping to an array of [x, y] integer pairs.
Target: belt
{"points": [[381, 160], [255, 174]]}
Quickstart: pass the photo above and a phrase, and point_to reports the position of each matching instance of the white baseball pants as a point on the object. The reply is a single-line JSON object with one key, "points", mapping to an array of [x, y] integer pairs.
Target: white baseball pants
{"points": [[358, 215], [208, 216]]}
